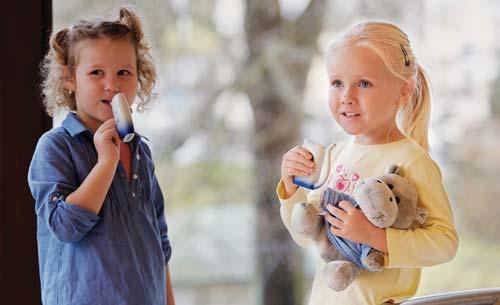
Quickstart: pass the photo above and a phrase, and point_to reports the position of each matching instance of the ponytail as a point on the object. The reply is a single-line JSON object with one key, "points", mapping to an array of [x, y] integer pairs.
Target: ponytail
{"points": [[415, 115], [59, 46], [131, 20]]}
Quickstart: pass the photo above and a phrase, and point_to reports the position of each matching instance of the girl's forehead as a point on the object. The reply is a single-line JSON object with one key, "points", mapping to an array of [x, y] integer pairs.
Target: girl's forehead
{"points": [[356, 60], [105, 50]]}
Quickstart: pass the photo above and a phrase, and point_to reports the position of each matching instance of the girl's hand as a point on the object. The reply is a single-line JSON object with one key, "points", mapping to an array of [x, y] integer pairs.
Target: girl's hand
{"points": [[350, 223], [296, 162], [107, 142]]}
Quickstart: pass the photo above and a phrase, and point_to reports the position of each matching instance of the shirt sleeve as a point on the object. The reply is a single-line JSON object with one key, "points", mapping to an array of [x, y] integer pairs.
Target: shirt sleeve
{"points": [[436, 241], [51, 178], [159, 204]]}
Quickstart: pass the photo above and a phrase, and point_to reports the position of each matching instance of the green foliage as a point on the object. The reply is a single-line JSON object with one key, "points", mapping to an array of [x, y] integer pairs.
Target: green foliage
{"points": [[204, 183]]}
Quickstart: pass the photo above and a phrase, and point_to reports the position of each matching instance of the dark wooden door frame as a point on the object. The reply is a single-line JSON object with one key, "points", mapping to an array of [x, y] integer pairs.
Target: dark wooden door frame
{"points": [[25, 29]]}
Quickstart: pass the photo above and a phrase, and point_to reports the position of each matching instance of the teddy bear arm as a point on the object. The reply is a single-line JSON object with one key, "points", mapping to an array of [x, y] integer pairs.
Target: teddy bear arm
{"points": [[306, 221]]}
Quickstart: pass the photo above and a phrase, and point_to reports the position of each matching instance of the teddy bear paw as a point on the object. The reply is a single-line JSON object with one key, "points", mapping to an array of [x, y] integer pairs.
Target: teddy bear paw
{"points": [[374, 261], [338, 274]]}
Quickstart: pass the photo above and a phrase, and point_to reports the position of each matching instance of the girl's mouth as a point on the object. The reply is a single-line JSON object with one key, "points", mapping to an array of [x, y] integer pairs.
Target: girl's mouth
{"points": [[106, 101], [350, 115]]}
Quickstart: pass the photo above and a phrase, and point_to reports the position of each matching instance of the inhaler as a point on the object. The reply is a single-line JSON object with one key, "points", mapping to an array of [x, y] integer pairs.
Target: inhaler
{"points": [[123, 118], [318, 152]]}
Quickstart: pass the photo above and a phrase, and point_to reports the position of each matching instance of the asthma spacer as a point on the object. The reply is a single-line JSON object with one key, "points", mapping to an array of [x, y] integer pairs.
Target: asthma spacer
{"points": [[315, 180]]}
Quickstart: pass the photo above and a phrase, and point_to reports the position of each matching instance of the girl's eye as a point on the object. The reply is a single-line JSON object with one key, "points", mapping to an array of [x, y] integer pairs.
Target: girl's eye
{"points": [[336, 83], [96, 72], [365, 84], [123, 72]]}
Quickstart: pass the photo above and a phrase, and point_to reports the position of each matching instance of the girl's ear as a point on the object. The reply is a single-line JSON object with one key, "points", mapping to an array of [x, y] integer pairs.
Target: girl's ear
{"points": [[406, 92], [68, 79]]}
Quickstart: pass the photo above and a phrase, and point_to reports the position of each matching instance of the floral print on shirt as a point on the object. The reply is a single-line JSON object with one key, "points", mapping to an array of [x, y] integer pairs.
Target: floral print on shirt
{"points": [[343, 179]]}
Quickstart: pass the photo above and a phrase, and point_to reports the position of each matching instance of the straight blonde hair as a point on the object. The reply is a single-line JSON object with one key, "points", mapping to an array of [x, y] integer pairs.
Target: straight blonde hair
{"points": [[393, 47]]}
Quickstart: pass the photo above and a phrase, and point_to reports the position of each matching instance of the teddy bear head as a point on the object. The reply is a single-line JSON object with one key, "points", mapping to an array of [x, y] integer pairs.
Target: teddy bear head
{"points": [[389, 200]]}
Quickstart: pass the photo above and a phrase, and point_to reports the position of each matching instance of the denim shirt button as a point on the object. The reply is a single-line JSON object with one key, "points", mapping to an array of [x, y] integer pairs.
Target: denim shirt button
{"points": [[137, 156], [133, 194], [135, 176]]}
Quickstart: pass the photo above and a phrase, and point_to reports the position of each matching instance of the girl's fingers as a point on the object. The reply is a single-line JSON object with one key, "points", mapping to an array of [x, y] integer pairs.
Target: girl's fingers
{"points": [[339, 213], [346, 206], [295, 157], [298, 166], [108, 124], [303, 152], [294, 172], [337, 231], [337, 223], [110, 133]]}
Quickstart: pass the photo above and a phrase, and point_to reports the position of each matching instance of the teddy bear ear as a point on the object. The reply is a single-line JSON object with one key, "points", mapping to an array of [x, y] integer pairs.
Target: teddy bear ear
{"points": [[394, 169], [421, 216]]}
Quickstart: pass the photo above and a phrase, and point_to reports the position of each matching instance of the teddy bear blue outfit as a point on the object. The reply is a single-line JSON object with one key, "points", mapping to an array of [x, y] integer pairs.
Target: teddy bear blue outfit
{"points": [[353, 251]]}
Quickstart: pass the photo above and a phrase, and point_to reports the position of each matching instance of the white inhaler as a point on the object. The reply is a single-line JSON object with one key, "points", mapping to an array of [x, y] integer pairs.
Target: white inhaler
{"points": [[123, 118], [318, 152]]}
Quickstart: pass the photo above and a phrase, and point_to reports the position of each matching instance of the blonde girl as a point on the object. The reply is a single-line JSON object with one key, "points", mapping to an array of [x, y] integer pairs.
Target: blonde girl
{"points": [[379, 95]]}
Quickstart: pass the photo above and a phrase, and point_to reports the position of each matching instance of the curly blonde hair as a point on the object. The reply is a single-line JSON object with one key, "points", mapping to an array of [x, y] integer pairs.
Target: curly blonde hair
{"points": [[61, 55]]}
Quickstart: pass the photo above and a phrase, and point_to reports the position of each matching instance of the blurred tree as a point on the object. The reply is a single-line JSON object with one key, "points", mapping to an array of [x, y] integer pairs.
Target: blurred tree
{"points": [[495, 98], [279, 57], [475, 184]]}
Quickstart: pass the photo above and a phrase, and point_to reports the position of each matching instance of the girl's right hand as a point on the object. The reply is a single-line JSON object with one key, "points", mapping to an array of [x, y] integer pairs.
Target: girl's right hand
{"points": [[296, 162], [107, 142]]}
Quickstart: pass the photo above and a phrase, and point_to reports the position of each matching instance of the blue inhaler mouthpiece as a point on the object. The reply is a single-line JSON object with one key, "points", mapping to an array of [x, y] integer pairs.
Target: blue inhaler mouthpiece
{"points": [[123, 117]]}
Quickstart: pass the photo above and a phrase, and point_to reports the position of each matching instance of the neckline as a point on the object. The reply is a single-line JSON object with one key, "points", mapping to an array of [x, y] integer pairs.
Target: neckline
{"points": [[381, 145]]}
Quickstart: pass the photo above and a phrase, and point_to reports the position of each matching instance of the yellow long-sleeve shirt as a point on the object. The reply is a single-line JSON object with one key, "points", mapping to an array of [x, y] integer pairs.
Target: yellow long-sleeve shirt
{"points": [[434, 243]]}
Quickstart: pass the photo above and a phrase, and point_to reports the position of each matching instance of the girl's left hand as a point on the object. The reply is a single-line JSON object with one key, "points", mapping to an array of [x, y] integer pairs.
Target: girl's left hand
{"points": [[350, 223]]}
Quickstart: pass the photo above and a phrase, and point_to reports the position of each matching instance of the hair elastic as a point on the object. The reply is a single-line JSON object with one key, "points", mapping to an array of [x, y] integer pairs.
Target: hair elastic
{"points": [[407, 58]]}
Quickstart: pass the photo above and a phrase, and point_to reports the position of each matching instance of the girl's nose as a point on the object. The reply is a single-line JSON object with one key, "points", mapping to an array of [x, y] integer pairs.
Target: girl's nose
{"points": [[112, 85], [347, 99]]}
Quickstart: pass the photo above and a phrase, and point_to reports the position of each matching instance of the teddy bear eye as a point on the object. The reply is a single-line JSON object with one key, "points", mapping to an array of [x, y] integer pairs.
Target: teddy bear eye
{"points": [[390, 199], [398, 200], [379, 181], [390, 186]]}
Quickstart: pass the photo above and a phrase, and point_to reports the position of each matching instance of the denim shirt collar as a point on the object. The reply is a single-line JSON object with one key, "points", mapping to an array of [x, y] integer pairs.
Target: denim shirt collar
{"points": [[73, 125]]}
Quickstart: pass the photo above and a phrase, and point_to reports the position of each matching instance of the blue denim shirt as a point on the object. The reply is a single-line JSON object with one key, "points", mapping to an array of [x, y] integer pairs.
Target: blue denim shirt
{"points": [[115, 257]]}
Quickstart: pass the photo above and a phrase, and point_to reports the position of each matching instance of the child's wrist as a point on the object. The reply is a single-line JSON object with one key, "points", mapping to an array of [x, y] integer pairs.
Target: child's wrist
{"points": [[106, 162], [378, 239], [289, 189]]}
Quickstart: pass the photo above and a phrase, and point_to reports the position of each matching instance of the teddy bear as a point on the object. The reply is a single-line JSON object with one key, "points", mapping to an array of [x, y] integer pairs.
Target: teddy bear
{"points": [[389, 200]]}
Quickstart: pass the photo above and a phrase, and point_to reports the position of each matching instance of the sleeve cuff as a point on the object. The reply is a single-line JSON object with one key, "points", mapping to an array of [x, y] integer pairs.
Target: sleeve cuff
{"points": [[299, 194], [71, 223], [167, 253]]}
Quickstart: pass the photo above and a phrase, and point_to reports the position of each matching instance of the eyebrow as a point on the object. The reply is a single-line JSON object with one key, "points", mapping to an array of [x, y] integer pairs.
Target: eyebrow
{"points": [[130, 67]]}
